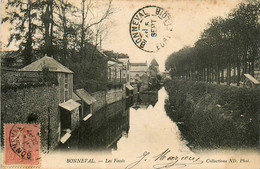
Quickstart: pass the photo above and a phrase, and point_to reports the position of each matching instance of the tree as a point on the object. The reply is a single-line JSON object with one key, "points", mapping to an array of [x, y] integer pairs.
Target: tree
{"points": [[48, 24], [65, 26], [22, 15], [85, 27], [227, 43]]}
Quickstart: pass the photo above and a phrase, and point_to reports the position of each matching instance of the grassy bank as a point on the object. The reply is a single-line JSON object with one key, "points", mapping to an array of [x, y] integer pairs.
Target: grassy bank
{"points": [[214, 116]]}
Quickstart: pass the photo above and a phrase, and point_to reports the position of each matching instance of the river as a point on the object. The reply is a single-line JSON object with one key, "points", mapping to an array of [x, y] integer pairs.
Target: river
{"points": [[139, 124], [138, 133]]}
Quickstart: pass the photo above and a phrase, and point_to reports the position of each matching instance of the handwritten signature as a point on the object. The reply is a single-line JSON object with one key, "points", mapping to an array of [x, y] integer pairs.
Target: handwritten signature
{"points": [[165, 160]]}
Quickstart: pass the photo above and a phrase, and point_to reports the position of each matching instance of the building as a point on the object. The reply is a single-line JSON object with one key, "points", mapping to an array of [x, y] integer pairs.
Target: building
{"points": [[86, 101], [126, 74], [137, 70], [116, 82], [154, 63], [68, 108], [126, 67], [153, 68]]}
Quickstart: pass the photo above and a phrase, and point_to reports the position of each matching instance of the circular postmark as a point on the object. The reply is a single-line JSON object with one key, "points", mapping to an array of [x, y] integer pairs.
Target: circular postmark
{"points": [[150, 28], [24, 141]]}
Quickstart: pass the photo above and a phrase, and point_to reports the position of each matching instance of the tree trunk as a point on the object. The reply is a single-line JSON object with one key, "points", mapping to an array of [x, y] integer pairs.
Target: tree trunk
{"points": [[48, 26], [65, 33], [238, 73], [207, 76], [28, 46], [245, 62], [228, 73], [218, 75], [234, 75], [82, 25]]}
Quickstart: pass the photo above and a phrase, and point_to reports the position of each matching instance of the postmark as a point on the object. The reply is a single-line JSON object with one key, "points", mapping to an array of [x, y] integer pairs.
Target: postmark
{"points": [[22, 144], [150, 28]]}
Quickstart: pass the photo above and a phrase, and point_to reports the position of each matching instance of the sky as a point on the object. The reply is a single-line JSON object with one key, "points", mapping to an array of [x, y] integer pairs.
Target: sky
{"points": [[189, 18]]}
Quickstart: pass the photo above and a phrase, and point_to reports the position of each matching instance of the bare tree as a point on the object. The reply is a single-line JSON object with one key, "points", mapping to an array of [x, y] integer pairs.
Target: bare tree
{"points": [[85, 27]]}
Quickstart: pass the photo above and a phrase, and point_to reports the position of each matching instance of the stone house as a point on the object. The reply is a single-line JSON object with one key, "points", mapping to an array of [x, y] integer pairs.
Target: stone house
{"points": [[29, 97], [68, 108]]}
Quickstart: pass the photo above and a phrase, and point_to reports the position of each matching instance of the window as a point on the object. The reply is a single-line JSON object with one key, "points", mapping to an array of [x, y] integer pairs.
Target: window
{"points": [[120, 76], [109, 74], [115, 73], [66, 81], [66, 87]]}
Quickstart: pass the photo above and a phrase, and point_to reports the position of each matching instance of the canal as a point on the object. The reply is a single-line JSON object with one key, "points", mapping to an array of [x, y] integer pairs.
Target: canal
{"points": [[139, 124], [122, 133]]}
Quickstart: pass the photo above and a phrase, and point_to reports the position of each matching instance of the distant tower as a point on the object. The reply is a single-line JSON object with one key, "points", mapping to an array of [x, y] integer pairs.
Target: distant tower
{"points": [[155, 64]]}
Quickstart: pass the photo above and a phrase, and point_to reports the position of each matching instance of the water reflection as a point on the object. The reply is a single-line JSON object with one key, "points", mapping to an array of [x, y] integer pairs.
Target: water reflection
{"points": [[143, 100], [138, 124], [102, 130], [108, 125], [150, 128]]}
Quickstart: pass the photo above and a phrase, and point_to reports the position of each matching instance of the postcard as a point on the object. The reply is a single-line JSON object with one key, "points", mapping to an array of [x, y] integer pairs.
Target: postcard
{"points": [[130, 84]]}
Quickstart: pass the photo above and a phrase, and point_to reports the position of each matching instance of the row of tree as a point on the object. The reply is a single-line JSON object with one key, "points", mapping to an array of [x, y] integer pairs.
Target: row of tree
{"points": [[56, 27], [228, 43]]}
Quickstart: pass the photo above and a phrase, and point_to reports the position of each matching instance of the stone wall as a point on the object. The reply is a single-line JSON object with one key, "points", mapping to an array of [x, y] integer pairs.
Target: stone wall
{"points": [[103, 98], [33, 105], [100, 97], [114, 94]]}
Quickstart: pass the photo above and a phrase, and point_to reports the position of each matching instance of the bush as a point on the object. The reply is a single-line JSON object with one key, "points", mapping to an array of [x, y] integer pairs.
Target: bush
{"points": [[214, 116]]}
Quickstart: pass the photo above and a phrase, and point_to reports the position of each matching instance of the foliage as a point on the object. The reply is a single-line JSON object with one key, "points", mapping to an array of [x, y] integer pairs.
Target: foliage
{"points": [[23, 15], [227, 43], [214, 116], [90, 69], [55, 27]]}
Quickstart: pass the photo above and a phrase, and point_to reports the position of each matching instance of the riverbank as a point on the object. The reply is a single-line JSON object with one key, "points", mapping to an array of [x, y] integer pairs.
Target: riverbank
{"points": [[212, 116]]}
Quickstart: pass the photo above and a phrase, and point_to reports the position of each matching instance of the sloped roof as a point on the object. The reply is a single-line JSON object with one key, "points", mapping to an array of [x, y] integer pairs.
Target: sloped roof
{"points": [[85, 96], [154, 63], [138, 64], [46, 62], [75, 97], [69, 105]]}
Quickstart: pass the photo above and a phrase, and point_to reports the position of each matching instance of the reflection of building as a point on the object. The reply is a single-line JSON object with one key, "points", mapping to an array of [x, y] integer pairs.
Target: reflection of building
{"points": [[145, 99], [137, 70], [104, 128]]}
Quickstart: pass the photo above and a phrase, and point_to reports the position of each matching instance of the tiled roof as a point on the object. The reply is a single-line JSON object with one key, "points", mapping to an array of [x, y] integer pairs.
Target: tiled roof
{"points": [[46, 62]]}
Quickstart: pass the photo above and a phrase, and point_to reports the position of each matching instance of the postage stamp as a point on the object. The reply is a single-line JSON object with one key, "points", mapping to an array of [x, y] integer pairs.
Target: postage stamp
{"points": [[22, 144], [150, 28]]}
